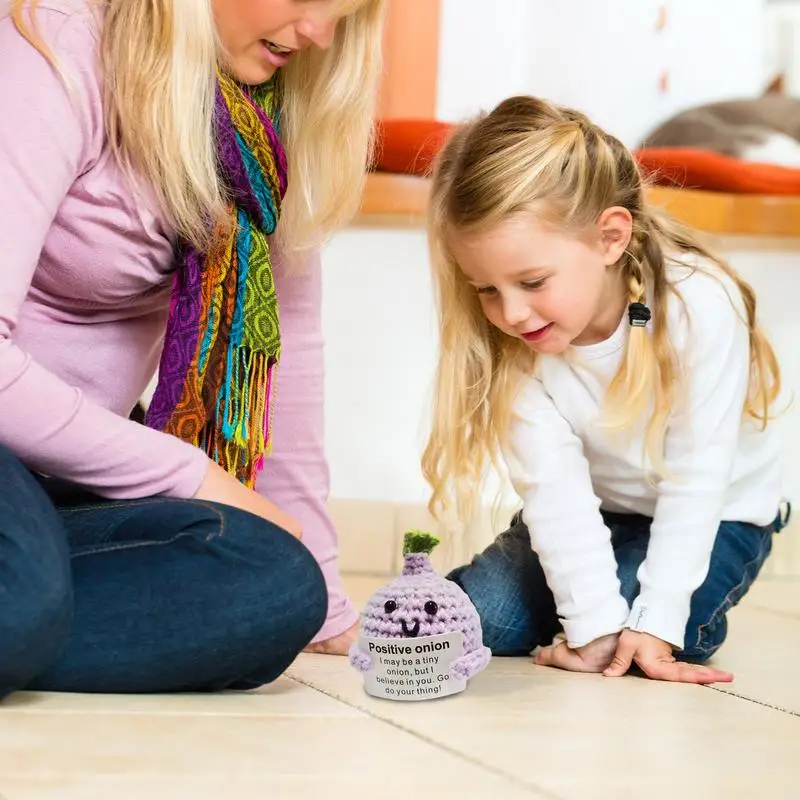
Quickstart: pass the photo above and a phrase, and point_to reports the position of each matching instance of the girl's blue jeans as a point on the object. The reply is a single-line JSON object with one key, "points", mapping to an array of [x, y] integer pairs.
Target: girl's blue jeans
{"points": [[507, 585]]}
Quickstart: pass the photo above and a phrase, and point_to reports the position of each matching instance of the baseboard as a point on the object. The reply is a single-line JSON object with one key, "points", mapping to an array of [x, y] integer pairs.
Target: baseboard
{"points": [[371, 536], [784, 562]]}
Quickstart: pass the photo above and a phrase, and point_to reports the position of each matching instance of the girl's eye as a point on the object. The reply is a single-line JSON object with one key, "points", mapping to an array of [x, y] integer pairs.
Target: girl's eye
{"points": [[533, 284], [486, 290]]}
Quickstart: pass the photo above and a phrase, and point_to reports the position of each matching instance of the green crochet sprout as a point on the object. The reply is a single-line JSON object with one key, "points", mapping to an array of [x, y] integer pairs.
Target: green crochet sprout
{"points": [[419, 542]]}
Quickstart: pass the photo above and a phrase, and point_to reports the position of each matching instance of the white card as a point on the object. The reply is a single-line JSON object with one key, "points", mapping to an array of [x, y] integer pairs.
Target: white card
{"points": [[413, 668]]}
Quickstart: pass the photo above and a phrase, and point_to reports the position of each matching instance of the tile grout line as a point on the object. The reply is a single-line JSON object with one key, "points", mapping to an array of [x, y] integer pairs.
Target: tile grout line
{"points": [[763, 703], [541, 791], [112, 712]]}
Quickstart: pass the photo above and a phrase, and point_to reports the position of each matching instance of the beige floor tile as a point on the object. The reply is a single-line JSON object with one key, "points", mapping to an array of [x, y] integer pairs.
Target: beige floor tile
{"points": [[290, 757], [476, 786], [508, 688], [762, 652], [781, 595], [701, 745], [579, 736], [282, 698], [122, 744]]}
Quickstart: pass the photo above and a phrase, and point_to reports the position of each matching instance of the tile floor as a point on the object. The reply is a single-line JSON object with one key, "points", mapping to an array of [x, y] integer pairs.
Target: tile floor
{"points": [[517, 732]]}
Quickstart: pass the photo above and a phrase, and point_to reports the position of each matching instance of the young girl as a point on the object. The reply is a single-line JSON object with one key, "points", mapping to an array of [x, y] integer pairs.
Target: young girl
{"points": [[619, 368], [149, 149]]}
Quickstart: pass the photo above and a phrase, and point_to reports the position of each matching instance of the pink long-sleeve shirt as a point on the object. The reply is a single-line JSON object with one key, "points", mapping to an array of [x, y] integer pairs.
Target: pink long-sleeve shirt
{"points": [[85, 280]]}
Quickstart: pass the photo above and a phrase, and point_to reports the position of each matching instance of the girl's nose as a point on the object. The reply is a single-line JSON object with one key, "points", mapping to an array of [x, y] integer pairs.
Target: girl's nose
{"points": [[515, 311]]}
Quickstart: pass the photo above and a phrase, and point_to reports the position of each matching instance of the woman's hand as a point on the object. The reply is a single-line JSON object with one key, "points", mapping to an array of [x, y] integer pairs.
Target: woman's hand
{"points": [[220, 487], [655, 659], [592, 657]]}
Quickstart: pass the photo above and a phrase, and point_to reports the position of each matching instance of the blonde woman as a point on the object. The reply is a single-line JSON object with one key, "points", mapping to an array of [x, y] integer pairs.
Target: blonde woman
{"points": [[169, 169], [620, 370]]}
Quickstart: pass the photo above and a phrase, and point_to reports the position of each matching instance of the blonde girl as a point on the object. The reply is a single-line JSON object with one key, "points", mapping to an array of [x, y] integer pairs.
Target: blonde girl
{"points": [[618, 368], [165, 163]]}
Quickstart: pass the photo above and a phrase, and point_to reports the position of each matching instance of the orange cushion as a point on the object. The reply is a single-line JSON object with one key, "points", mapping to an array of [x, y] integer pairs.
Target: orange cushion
{"points": [[709, 171], [409, 146]]}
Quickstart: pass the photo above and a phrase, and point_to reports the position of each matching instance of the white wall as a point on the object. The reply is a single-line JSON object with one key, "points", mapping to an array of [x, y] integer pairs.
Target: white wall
{"points": [[378, 317], [602, 57], [484, 54], [379, 323], [379, 328], [775, 275]]}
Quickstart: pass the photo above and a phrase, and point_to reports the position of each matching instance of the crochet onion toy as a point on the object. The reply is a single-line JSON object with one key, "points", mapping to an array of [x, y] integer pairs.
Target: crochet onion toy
{"points": [[421, 604]]}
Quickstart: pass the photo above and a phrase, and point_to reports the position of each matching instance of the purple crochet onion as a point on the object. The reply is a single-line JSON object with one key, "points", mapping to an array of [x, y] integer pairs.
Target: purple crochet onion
{"points": [[421, 603]]}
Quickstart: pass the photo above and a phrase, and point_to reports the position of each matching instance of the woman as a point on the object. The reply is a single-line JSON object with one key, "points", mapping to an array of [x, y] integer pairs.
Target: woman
{"points": [[150, 149]]}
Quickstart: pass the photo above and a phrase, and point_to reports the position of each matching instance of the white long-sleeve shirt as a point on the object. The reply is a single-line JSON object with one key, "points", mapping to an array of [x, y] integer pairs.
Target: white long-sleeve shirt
{"points": [[720, 466]]}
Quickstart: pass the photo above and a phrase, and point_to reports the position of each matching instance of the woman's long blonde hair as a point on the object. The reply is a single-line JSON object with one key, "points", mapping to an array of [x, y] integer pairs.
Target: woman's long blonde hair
{"points": [[158, 60], [530, 157]]}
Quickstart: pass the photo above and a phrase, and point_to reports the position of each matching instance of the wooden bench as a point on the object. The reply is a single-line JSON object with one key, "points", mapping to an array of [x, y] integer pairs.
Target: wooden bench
{"points": [[400, 200]]}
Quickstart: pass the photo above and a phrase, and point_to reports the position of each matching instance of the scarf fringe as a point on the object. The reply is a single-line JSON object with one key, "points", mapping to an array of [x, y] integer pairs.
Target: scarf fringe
{"points": [[239, 436]]}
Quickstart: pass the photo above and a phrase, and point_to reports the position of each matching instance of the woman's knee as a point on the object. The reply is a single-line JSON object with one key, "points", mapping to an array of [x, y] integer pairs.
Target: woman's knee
{"points": [[280, 611], [304, 590], [281, 591], [35, 623], [35, 578]]}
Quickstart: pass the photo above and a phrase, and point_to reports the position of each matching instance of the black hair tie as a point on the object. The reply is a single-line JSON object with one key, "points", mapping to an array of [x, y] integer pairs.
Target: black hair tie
{"points": [[639, 315]]}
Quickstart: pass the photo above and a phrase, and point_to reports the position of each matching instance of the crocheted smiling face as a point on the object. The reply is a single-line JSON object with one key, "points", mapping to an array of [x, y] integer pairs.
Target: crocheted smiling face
{"points": [[420, 602]]}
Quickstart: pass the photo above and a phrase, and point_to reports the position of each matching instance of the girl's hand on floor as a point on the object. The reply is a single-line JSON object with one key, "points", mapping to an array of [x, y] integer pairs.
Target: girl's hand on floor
{"points": [[220, 487], [654, 657], [592, 657]]}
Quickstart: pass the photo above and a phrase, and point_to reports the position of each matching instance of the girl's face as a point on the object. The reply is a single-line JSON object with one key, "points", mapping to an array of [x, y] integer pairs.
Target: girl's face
{"points": [[260, 36], [549, 288]]}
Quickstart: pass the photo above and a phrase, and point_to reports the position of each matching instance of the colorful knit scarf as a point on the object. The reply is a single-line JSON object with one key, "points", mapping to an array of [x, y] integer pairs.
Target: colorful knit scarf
{"points": [[222, 341]]}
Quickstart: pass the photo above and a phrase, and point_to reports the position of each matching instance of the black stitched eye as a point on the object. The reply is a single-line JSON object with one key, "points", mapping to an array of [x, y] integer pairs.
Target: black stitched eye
{"points": [[390, 606], [431, 607]]}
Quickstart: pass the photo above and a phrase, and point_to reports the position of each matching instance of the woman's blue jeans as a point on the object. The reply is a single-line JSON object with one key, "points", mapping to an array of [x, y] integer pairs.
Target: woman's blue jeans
{"points": [[152, 595]]}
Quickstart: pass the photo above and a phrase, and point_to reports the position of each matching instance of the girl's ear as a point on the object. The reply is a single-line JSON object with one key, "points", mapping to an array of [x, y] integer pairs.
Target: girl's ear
{"points": [[615, 227]]}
